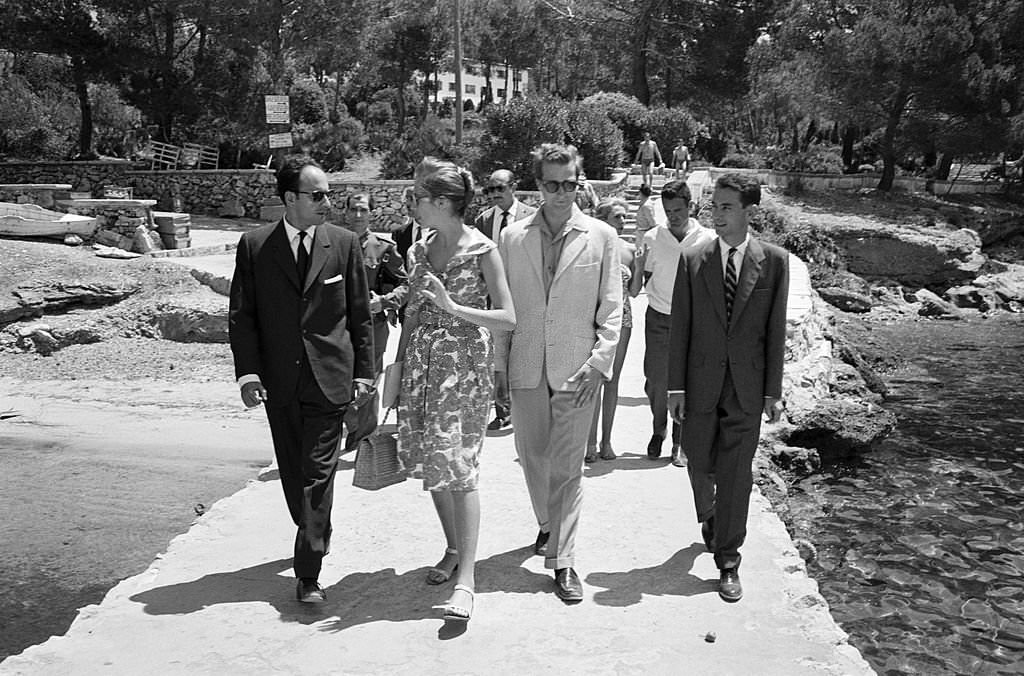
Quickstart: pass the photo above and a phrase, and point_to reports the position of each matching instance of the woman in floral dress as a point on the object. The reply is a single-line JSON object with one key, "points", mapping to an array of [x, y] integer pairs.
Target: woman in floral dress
{"points": [[457, 295], [613, 212]]}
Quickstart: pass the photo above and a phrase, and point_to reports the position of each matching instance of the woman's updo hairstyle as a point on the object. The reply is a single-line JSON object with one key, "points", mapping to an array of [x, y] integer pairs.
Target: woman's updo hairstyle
{"points": [[438, 178]]}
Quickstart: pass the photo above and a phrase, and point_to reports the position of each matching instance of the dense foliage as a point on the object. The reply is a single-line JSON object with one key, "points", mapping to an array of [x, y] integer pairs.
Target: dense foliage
{"points": [[911, 85]]}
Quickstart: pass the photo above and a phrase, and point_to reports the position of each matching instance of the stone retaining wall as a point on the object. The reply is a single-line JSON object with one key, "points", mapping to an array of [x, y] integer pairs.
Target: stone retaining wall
{"points": [[232, 192]]}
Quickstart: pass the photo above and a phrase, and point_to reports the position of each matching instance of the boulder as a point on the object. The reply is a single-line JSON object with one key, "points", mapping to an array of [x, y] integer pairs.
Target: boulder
{"points": [[1008, 284], [933, 306], [801, 461], [915, 257], [839, 427], [975, 298], [848, 301]]}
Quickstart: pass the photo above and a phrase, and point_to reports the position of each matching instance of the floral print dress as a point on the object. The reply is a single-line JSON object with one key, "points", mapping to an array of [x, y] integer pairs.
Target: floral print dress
{"points": [[447, 379]]}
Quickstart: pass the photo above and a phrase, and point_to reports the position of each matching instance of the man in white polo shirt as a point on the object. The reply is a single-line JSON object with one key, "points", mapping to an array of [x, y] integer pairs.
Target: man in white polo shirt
{"points": [[662, 246]]}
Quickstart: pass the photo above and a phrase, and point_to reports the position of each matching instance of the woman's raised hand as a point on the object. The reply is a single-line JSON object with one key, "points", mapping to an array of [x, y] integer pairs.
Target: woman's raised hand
{"points": [[437, 294]]}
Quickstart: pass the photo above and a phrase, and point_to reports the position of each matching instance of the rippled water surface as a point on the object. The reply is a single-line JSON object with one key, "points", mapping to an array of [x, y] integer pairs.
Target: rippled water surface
{"points": [[921, 551]]}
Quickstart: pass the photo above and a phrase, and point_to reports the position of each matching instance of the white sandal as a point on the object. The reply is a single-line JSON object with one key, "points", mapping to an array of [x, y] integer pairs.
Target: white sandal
{"points": [[456, 613]]}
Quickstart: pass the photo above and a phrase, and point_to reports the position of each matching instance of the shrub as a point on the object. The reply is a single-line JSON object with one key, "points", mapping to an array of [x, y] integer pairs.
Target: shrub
{"points": [[307, 102], [431, 137], [743, 161], [666, 125], [331, 144], [514, 130], [113, 121], [815, 160]]}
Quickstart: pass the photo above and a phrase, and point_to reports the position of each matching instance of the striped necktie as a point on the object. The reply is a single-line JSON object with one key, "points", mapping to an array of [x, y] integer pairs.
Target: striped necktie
{"points": [[302, 258], [730, 282]]}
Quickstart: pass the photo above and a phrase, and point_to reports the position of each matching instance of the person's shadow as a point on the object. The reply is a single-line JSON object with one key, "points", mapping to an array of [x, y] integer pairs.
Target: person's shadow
{"points": [[671, 578], [625, 462], [358, 598]]}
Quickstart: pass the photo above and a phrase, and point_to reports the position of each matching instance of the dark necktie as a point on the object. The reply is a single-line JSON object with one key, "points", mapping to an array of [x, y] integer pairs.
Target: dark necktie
{"points": [[730, 282], [302, 258], [501, 226]]}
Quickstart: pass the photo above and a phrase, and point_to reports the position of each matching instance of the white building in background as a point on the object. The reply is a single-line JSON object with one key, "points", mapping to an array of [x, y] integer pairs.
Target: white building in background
{"points": [[507, 83]]}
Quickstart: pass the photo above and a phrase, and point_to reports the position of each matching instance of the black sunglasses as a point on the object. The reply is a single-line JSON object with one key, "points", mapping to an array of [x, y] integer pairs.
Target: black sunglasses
{"points": [[494, 188], [315, 195], [566, 186]]}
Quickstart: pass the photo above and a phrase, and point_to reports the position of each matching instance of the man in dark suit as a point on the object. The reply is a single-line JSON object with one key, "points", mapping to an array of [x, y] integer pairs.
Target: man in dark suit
{"points": [[302, 339], [726, 351], [505, 210], [388, 283], [411, 231]]}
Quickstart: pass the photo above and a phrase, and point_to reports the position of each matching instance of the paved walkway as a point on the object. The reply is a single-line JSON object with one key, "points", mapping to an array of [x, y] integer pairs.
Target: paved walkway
{"points": [[220, 600]]}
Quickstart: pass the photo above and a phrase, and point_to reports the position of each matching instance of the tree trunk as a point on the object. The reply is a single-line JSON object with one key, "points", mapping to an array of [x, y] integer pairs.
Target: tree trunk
{"points": [[888, 146], [945, 166], [849, 137], [638, 57], [84, 107]]}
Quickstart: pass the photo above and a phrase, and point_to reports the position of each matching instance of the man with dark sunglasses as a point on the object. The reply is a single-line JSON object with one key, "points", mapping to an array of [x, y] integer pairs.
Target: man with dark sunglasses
{"points": [[505, 210], [302, 339], [388, 282], [563, 271]]}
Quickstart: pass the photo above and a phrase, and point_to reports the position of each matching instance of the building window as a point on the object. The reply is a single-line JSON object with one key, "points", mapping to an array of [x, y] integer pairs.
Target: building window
{"points": [[451, 86], [470, 89], [501, 93], [517, 76], [500, 73]]}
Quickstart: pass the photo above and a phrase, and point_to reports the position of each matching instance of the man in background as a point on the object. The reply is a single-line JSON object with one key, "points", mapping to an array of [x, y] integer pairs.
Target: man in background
{"points": [[388, 285], [647, 155], [659, 254], [505, 210]]}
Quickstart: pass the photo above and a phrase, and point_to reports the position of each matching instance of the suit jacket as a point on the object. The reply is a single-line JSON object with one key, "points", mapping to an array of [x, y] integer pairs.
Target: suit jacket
{"points": [[484, 222], [273, 319], [752, 344], [578, 321], [385, 272], [404, 240]]}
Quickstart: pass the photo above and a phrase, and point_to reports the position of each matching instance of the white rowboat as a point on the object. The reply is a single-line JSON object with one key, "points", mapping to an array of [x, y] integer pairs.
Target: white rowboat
{"points": [[31, 220]]}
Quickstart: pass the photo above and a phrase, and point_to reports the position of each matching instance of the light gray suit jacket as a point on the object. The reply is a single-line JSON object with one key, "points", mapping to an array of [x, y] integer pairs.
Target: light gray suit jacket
{"points": [[578, 321]]}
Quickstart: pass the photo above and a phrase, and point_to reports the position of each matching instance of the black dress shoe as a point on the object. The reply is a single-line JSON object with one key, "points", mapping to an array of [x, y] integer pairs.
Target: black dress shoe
{"points": [[308, 590], [568, 586], [729, 587], [654, 446], [500, 422], [707, 532], [540, 546]]}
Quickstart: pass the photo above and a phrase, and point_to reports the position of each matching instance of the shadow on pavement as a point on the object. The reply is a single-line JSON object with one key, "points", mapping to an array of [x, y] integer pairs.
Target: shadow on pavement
{"points": [[671, 578], [625, 462]]}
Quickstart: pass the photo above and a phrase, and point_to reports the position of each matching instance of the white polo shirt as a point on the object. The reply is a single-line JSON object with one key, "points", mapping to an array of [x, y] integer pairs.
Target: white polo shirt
{"points": [[663, 261]]}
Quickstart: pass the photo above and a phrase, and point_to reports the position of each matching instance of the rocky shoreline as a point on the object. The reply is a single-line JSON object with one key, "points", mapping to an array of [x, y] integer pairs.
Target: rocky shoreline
{"points": [[945, 262]]}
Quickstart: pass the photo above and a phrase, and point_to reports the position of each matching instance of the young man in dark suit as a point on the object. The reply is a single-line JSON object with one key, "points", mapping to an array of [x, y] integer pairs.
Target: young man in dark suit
{"points": [[302, 339], [726, 351]]}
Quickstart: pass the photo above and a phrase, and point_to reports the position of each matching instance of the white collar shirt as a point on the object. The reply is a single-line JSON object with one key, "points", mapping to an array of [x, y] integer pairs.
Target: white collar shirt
{"points": [[663, 261], [293, 237], [737, 259]]}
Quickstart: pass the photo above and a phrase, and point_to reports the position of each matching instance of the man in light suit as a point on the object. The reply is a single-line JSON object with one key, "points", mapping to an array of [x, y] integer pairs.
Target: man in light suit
{"points": [[302, 339], [563, 271], [726, 351], [505, 210]]}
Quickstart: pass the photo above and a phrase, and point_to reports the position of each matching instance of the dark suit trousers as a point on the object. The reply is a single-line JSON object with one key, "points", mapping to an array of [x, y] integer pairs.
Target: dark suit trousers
{"points": [[306, 434], [361, 422], [719, 448], [656, 330]]}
